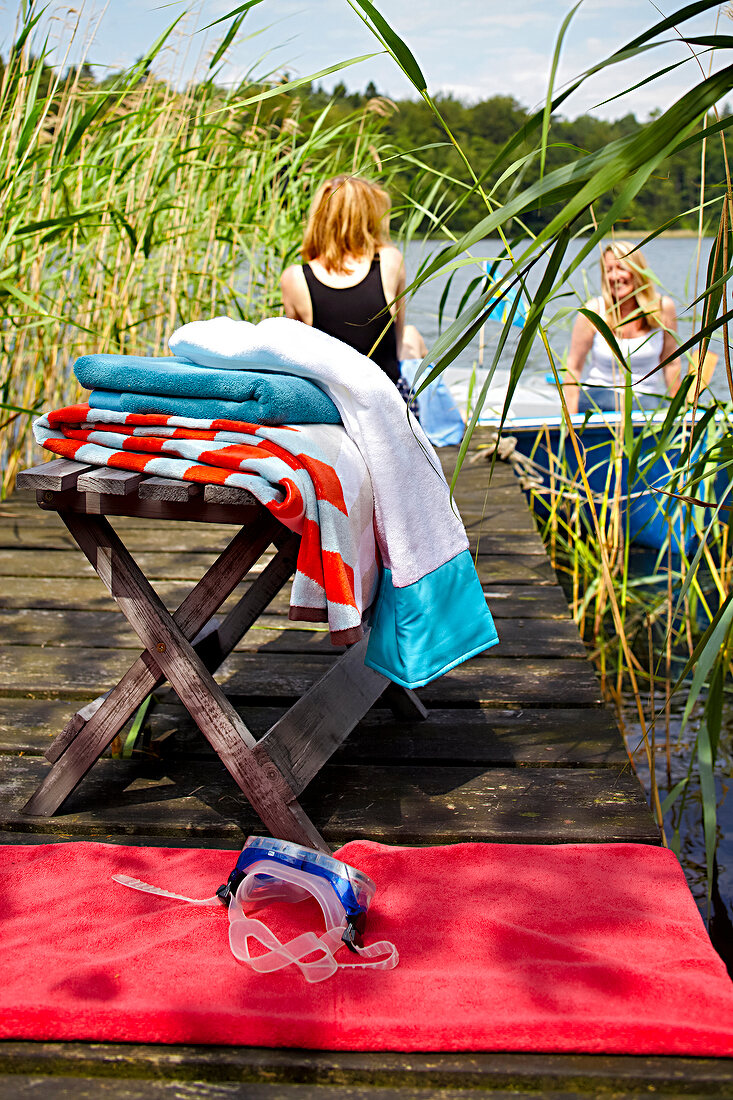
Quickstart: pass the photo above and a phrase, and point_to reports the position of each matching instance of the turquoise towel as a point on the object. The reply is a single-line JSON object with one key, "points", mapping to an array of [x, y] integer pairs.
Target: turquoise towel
{"points": [[251, 412], [259, 397]]}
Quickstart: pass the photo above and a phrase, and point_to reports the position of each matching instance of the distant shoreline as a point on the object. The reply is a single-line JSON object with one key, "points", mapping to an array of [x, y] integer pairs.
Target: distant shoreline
{"points": [[640, 234]]}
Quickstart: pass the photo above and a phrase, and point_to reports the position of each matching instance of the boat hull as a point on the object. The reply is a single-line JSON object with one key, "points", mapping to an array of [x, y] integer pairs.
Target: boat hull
{"points": [[652, 512]]}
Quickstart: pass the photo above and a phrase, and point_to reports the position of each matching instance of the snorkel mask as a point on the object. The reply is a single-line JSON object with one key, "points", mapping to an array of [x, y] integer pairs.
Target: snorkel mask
{"points": [[270, 870]]}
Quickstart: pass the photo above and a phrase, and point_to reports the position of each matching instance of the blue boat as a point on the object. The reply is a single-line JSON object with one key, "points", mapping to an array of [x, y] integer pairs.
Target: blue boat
{"points": [[651, 506]]}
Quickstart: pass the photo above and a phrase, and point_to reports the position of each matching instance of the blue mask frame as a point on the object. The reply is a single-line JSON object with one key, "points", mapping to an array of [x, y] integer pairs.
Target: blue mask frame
{"points": [[352, 887]]}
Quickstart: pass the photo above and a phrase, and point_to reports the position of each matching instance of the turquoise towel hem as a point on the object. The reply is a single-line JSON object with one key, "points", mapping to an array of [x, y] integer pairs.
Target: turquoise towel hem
{"points": [[396, 679], [424, 629]]}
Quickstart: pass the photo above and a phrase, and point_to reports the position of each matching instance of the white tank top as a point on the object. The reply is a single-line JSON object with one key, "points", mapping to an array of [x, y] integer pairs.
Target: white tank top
{"points": [[641, 354]]}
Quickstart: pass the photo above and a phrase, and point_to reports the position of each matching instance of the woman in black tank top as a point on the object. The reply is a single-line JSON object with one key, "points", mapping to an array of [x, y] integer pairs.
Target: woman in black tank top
{"points": [[351, 281], [357, 315]]}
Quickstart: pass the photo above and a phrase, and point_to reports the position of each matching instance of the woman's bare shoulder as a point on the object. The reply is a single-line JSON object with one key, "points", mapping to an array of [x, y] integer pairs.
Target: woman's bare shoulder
{"points": [[595, 305], [292, 276], [390, 257], [668, 308], [584, 324], [295, 295]]}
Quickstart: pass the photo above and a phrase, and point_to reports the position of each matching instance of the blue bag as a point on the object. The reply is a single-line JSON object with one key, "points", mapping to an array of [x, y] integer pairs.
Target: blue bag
{"points": [[440, 417]]}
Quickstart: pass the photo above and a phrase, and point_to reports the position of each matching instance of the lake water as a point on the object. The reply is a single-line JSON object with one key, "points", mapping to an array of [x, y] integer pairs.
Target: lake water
{"points": [[672, 260]]}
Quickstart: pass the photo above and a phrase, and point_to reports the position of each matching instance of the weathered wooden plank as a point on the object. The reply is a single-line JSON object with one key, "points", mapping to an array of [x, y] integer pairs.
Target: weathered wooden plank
{"points": [[505, 600], [63, 563], [505, 543], [22, 508], [496, 518], [27, 1086], [477, 467], [231, 843], [601, 1075], [65, 592], [75, 1088], [526, 601], [492, 680], [19, 535], [118, 796], [495, 681], [416, 805], [253, 601], [168, 488], [483, 735], [78, 629], [477, 489], [583, 737], [29, 725], [318, 723], [196, 511], [104, 479], [165, 550], [190, 564], [410, 804], [22, 533], [271, 633], [227, 494], [58, 474], [517, 638]]}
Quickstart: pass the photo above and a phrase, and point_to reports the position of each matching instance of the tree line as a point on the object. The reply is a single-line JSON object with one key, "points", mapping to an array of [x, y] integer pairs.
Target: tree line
{"points": [[672, 196], [418, 160]]}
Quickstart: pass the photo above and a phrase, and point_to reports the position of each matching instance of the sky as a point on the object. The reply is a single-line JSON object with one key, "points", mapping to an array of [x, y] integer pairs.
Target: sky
{"points": [[470, 48]]}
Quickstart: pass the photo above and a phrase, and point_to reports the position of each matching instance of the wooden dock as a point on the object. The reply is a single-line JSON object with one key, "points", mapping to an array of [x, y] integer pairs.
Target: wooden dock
{"points": [[518, 747]]}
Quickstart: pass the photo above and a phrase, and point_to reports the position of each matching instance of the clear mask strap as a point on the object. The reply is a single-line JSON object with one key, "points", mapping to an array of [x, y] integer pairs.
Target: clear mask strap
{"points": [[279, 955], [146, 888], [371, 952]]}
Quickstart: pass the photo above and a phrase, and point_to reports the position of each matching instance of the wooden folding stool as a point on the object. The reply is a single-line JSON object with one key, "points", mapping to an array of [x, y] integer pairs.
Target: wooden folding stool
{"points": [[188, 646]]}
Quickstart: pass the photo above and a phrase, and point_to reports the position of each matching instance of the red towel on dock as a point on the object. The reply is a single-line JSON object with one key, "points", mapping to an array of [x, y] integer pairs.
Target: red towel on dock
{"points": [[595, 948]]}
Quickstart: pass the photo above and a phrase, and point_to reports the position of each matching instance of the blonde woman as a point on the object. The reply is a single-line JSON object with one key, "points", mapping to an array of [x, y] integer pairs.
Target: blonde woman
{"points": [[352, 278], [644, 324]]}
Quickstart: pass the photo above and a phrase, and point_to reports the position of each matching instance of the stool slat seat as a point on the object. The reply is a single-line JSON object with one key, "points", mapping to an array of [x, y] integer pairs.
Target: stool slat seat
{"points": [[118, 483], [168, 488]]}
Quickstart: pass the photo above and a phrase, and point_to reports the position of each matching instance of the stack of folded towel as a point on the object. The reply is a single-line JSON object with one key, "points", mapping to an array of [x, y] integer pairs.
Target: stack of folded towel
{"points": [[321, 437], [178, 387]]}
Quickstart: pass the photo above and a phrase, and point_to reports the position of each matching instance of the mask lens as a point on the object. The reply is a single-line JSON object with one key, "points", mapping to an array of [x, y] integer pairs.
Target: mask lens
{"points": [[260, 889]]}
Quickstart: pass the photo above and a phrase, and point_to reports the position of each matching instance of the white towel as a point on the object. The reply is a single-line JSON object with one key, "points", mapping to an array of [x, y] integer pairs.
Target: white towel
{"points": [[418, 526]]}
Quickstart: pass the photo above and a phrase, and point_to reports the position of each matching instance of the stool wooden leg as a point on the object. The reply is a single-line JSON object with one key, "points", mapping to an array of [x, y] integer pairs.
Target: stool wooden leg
{"points": [[217, 646], [94, 726], [258, 777], [303, 739], [404, 703], [193, 614]]}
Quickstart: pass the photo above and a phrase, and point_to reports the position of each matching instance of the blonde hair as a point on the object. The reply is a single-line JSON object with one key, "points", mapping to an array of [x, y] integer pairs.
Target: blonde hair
{"points": [[645, 295], [349, 216]]}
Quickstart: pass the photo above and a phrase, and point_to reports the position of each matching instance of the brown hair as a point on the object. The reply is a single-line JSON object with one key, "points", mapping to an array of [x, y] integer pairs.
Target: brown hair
{"points": [[349, 216], [647, 298]]}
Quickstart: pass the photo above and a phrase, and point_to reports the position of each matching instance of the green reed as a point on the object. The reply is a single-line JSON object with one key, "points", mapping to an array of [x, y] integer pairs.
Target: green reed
{"points": [[615, 612], [128, 208]]}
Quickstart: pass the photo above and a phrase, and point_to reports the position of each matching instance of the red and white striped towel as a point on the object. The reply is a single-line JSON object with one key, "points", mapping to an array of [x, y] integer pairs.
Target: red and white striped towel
{"points": [[310, 476]]}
